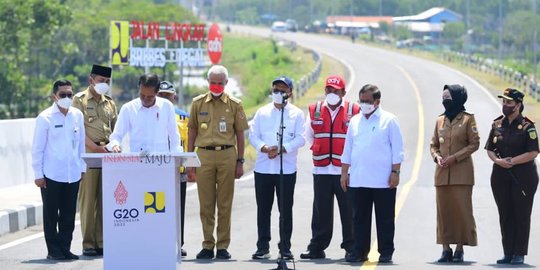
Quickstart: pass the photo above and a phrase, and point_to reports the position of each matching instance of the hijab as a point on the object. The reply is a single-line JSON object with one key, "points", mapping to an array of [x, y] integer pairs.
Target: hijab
{"points": [[459, 97]]}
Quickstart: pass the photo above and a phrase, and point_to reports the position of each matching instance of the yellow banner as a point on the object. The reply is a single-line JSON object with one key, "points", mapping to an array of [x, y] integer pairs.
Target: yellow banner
{"points": [[120, 42]]}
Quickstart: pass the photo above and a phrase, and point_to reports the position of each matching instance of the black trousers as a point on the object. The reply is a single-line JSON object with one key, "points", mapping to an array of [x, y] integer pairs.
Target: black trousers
{"points": [[59, 207], [362, 200], [265, 186], [514, 208], [183, 187], [325, 187]]}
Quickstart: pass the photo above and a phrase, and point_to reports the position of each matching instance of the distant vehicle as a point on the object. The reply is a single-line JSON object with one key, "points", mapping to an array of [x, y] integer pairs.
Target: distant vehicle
{"points": [[291, 25], [279, 26]]}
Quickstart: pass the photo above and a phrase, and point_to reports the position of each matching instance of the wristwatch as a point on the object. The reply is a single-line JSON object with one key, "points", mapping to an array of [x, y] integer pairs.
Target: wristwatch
{"points": [[396, 172], [240, 160]]}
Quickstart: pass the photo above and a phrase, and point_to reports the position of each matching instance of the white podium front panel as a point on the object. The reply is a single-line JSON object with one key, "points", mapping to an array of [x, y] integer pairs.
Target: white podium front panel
{"points": [[139, 212]]}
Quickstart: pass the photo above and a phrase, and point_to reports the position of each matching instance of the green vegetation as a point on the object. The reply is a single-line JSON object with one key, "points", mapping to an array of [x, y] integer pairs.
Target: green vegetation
{"points": [[255, 62], [44, 40]]}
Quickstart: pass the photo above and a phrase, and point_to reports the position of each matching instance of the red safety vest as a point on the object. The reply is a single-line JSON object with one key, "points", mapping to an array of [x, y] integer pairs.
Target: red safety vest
{"points": [[329, 137]]}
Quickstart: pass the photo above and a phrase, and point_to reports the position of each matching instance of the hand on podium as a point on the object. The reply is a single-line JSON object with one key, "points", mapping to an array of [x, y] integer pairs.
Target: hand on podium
{"points": [[191, 174]]}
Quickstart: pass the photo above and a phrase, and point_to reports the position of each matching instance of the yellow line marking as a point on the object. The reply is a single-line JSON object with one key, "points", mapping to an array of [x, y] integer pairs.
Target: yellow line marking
{"points": [[416, 167]]}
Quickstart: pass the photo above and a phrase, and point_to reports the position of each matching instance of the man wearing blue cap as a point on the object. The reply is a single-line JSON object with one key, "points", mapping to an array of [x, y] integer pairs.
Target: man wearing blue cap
{"points": [[262, 135]]}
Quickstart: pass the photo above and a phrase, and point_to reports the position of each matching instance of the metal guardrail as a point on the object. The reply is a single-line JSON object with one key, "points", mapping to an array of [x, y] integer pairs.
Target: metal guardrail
{"points": [[490, 66]]}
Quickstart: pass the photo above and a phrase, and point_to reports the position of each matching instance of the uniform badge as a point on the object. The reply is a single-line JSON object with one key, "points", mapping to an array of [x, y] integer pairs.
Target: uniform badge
{"points": [[441, 140], [495, 139], [532, 134], [499, 125], [520, 126], [204, 126], [474, 129]]}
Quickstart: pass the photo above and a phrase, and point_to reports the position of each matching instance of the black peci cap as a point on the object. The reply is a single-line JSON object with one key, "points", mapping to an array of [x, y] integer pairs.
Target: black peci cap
{"points": [[101, 70]]}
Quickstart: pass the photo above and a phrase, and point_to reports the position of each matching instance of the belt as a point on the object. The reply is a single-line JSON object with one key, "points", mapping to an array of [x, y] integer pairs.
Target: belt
{"points": [[216, 148], [102, 143]]}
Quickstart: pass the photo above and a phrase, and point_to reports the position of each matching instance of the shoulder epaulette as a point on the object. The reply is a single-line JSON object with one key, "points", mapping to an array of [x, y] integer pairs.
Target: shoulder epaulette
{"points": [[199, 97], [236, 100], [497, 121], [108, 97], [526, 122], [80, 94]]}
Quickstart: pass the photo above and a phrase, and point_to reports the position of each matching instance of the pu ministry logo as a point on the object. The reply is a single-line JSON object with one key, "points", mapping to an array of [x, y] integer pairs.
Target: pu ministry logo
{"points": [[154, 202]]}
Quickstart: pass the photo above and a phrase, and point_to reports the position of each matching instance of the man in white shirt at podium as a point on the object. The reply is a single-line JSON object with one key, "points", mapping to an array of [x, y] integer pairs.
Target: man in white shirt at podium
{"points": [[150, 121]]}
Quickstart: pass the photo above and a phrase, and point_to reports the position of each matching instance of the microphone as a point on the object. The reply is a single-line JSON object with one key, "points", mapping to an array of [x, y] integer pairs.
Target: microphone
{"points": [[284, 96]]}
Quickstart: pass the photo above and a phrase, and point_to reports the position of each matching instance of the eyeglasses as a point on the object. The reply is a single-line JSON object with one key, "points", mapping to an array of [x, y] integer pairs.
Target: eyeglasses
{"points": [[64, 95], [275, 90]]}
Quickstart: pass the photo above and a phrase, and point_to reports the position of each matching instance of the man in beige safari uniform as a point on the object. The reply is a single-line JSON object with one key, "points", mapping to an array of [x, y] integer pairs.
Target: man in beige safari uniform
{"points": [[100, 114]]}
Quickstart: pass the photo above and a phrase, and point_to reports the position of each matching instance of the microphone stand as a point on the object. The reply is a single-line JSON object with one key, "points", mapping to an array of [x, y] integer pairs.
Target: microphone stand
{"points": [[282, 264]]}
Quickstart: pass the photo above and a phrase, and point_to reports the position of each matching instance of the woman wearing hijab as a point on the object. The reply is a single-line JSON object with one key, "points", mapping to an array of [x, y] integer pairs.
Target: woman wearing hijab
{"points": [[454, 140]]}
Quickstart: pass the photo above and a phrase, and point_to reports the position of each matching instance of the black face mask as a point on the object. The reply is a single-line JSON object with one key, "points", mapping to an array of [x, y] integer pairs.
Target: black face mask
{"points": [[448, 104], [508, 110]]}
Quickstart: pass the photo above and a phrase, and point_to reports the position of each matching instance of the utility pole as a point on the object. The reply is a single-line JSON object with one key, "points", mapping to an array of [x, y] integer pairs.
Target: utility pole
{"points": [[535, 62], [467, 26], [380, 8], [501, 27]]}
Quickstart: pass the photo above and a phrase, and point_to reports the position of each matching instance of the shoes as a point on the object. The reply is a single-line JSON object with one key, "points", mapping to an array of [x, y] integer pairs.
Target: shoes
{"points": [[99, 251], [351, 257], [89, 252], [223, 254], [70, 256], [287, 255], [183, 252], [205, 254], [505, 260], [56, 257], [313, 254], [458, 256], [385, 259], [517, 259], [261, 254], [446, 256]]}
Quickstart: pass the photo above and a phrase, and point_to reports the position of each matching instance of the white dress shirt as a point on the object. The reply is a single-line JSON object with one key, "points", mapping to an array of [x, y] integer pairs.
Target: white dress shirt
{"points": [[150, 129], [371, 147], [331, 168], [263, 131], [58, 145]]}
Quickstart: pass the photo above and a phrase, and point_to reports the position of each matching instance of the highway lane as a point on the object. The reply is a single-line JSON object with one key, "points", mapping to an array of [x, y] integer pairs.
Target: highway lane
{"points": [[411, 89]]}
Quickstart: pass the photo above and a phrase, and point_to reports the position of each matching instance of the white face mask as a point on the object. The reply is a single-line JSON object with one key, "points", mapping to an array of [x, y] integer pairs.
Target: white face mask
{"points": [[277, 97], [101, 88], [367, 108], [332, 99], [64, 103]]}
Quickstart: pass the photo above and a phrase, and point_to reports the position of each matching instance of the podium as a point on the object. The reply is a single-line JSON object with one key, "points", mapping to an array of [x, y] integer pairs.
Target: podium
{"points": [[139, 207]]}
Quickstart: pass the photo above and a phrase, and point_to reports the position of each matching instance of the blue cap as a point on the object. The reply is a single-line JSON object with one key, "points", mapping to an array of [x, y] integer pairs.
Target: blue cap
{"points": [[284, 79]]}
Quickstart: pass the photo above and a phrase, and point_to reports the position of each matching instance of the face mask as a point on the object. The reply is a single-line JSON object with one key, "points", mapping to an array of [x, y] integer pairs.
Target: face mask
{"points": [[216, 89], [367, 108], [448, 104], [64, 103], [278, 97], [332, 99], [101, 88], [508, 110]]}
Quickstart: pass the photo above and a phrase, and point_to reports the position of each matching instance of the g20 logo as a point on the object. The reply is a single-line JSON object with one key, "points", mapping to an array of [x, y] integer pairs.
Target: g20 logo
{"points": [[126, 213]]}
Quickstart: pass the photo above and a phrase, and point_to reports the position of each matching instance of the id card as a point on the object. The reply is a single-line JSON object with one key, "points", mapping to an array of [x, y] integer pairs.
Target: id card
{"points": [[222, 125]]}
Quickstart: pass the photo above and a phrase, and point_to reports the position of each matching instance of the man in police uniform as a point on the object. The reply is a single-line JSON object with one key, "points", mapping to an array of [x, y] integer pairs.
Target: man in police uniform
{"points": [[100, 113], [167, 91], [217, 123]]}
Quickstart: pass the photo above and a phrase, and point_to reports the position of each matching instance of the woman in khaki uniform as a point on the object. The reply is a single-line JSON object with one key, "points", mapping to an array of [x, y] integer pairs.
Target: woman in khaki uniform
{"points": [[455, 138]]}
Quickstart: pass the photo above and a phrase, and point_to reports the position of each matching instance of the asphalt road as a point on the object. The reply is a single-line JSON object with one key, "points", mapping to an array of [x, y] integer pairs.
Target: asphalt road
{"points": [[411, 89]]}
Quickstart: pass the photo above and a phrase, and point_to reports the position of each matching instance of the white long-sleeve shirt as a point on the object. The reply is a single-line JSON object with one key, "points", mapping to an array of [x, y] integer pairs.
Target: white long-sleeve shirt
{"points": [[58, 145], [263, 131], [371, 147], [310, 135], [150, 129]]}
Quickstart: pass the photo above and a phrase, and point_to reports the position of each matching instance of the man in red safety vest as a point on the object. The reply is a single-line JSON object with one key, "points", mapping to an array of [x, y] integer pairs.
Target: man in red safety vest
{"points": [[326, 128]]}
